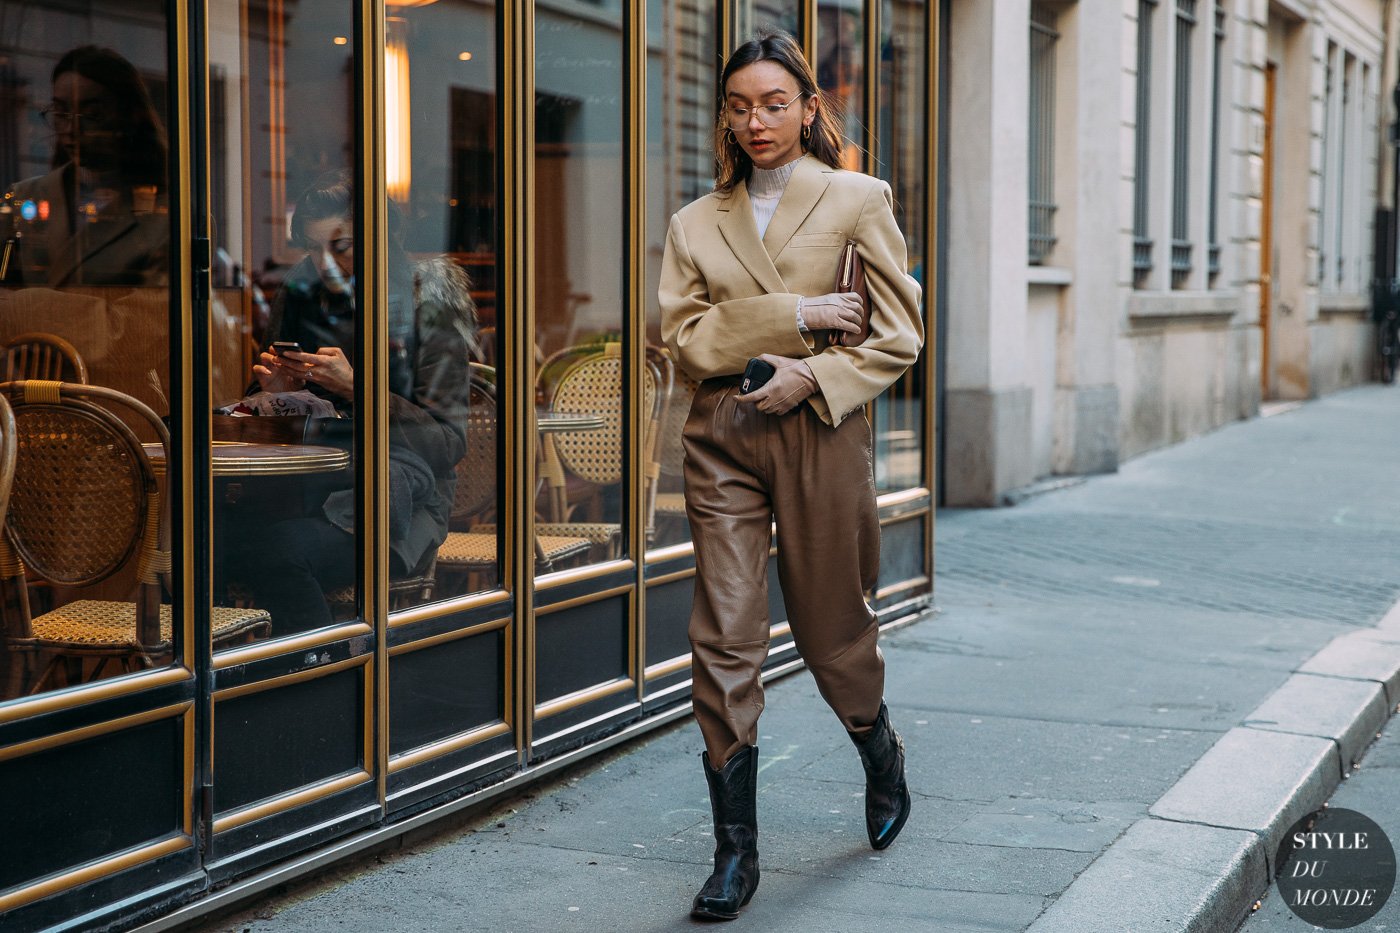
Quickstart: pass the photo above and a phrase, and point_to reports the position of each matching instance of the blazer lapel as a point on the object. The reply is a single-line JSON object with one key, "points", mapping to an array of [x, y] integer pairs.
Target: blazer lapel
{"points": [[804, 189], [737, 227]]}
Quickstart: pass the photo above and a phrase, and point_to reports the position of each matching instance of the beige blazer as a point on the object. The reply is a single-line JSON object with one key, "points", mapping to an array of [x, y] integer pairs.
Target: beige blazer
{"points": [[726, 296]]}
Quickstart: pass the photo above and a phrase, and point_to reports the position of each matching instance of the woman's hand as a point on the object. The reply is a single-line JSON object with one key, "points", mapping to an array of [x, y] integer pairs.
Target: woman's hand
{"points": [[791, 385], [839, 311], [274, 375], [329, 368]]}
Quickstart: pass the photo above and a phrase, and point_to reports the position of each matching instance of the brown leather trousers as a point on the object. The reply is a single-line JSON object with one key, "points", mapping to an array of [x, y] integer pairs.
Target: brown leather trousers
{"points": [[744, 469]]}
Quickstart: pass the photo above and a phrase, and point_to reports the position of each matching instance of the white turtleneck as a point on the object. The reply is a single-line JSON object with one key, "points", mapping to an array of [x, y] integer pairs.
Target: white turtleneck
{"points": [[766, 187]]}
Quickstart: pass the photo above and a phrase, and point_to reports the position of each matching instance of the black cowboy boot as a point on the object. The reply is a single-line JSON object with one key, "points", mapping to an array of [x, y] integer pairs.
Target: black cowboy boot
{"points": [[733, 800], [887, 798]]}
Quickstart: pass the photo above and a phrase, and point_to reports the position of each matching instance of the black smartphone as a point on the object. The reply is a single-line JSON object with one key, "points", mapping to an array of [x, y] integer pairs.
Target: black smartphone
{"points": [[282, 347], [756, 375]]}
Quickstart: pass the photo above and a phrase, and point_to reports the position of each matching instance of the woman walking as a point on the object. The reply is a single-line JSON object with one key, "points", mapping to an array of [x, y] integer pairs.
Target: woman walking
{"points": [[749, 272]]}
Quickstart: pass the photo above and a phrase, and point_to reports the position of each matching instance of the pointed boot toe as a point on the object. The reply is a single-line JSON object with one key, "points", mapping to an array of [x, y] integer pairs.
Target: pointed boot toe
{"points": [[887, 798], [733, 802]]}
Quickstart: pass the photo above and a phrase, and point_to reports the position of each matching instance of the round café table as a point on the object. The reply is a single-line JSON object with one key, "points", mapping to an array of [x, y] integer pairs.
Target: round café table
{"points": [[241, 458], [559, 422]]}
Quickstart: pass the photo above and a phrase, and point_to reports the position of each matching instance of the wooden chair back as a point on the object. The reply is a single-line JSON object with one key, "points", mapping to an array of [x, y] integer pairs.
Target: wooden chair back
{"points": [[84, 499], [36, 355]]}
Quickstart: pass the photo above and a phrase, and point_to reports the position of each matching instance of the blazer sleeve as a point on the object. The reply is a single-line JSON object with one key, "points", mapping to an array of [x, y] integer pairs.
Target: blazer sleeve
{"points": [[717, 339], [851, 376]]}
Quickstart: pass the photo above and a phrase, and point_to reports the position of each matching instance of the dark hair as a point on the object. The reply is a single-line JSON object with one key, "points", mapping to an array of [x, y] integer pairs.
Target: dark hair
{"points": [[143, 147], [332, 194], [732, 163]]}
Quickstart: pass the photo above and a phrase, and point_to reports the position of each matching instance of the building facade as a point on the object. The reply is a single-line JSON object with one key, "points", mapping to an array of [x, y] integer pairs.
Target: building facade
{"points": [[1196, 182], [256, 612]]}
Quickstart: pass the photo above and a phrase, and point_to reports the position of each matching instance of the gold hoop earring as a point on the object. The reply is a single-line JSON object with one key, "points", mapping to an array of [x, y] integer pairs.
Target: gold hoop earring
{"points": [[806, 133]]}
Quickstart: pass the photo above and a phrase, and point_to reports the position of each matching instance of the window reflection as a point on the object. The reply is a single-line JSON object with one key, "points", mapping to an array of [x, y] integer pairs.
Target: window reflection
{"points": [[682, 72], [578, 229], [85, 264], [840, 64], [756, 16], [903, 131], [286, 316], [441, 104]]}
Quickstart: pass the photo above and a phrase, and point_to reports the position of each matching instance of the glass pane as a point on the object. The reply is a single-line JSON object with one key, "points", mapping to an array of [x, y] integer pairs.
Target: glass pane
{"points": [[85, 262], [903, 137], [285, 314], [440, 110], [758, 16], [841, 69], [682, 72], [579, 260]]}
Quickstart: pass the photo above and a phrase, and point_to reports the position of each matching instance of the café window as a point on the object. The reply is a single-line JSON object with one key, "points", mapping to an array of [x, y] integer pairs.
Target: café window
{"points": [[579, 375], [86, 591], [682, 70], [285, 317]]}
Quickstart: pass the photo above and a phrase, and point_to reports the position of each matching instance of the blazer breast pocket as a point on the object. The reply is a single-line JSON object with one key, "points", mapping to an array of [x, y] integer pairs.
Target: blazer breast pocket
{"points": [[818, 239]]}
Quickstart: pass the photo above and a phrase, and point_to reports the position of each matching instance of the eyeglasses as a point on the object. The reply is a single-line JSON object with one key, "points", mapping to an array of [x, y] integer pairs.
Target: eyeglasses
{"points": [[61, 121], [769, 115]]}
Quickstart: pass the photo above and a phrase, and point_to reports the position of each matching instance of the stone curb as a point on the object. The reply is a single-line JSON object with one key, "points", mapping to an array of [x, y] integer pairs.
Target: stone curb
{"points": [[1350, 712], [1255, 780], [1364, 655], [1205, 853], [1163, 877]]}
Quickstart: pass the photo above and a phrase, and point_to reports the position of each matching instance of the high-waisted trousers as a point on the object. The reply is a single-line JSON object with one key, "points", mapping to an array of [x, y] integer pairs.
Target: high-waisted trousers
{"points": [[743, 470]]}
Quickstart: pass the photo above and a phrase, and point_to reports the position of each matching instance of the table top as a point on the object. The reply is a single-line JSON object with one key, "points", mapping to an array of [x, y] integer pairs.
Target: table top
{"points": [[240, 458], [559, 421]]}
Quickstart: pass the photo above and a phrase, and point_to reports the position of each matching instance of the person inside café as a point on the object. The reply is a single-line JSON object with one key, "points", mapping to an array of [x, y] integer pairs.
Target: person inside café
{"points": [[99, 216], [295, 560]]}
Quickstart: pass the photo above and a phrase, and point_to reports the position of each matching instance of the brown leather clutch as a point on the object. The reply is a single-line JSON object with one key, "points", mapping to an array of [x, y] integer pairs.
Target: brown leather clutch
{"points": [[850, 277]]}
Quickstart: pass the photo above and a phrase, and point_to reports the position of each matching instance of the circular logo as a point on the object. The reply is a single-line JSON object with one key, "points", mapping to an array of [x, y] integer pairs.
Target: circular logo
{"points": [[1335, 868]]}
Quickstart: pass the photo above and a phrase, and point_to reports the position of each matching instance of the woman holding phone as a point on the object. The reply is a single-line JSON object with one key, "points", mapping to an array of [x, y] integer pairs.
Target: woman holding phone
{"points": [[311, 340], [749, 273]]}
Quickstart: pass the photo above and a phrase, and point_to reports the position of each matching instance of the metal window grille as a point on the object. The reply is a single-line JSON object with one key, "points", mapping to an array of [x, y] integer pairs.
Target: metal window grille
{"points": [[1181, 148], [1042, 132], [1213, 249], [1142, 243]]}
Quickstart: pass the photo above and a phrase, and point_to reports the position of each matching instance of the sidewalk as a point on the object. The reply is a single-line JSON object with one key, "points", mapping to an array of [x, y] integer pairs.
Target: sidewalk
{"points": [[1093, 645]]}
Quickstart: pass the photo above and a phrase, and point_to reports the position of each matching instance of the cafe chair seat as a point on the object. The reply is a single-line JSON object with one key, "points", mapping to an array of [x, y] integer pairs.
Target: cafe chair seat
{"points": [[602, 538], [476, 550], [403, 594], [670, 503], [97, 626]]}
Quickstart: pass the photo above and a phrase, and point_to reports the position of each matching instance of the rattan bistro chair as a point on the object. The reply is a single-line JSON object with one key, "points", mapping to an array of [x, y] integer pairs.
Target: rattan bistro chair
{"points": [[580, 464], [41, 356], [473, 552], [84, 502]]}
